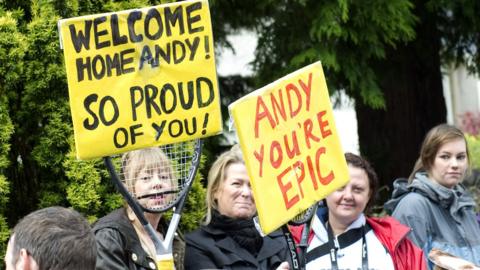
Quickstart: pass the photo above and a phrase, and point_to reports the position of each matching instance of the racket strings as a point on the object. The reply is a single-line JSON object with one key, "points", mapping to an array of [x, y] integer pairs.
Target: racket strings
{"points": [[304, 216], [156, 176]]}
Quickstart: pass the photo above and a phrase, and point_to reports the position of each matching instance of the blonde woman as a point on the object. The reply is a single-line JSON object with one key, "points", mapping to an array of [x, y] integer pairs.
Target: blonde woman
{"points": [[122, 242], [228, 239]]}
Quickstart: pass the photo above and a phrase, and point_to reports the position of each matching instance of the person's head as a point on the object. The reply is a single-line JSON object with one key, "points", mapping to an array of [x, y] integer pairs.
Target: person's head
{"points": [[357, 196], [53, 238], [228, 189], [444, 156], [147, 174]]}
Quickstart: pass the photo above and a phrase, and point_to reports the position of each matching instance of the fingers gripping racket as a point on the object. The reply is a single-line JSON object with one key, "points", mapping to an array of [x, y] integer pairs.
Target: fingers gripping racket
{"points": [[298, 258], [155, 180]]}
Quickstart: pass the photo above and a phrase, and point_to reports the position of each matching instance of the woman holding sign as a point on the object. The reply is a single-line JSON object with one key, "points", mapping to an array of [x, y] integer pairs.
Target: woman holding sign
{"points": [[343, 237], [229, 238], [435, 204], [122, 242]]}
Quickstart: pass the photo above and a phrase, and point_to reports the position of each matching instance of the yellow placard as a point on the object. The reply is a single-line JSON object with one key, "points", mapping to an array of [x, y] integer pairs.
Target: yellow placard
{"points": [[141, 77], [290, 145]]}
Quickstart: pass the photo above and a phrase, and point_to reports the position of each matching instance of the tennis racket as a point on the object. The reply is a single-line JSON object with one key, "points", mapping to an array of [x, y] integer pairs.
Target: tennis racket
{"points": [[298, 258], [155, 180]]}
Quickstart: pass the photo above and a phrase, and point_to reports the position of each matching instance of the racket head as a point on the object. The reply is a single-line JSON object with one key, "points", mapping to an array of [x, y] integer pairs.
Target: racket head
{"points": [[304, 216], [157, 178]]}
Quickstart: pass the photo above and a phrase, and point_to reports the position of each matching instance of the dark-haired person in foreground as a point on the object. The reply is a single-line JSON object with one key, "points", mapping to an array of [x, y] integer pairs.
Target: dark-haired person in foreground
{"points": [[53, 238]]}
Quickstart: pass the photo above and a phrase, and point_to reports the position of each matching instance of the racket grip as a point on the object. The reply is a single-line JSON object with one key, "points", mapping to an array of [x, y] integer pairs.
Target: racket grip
{"points": [[165, 262]]}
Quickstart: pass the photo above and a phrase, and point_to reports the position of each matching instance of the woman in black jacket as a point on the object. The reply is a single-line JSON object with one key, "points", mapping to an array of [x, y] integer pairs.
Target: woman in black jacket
{"points": [[122, 242], [229, 239]]}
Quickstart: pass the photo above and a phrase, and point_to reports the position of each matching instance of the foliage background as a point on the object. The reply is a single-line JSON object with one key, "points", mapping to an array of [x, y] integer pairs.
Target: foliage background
{"points": [[470, 125]]}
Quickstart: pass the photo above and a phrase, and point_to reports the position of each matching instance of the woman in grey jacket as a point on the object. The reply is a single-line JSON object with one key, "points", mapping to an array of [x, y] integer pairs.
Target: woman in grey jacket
{"points": [[435, 204]]}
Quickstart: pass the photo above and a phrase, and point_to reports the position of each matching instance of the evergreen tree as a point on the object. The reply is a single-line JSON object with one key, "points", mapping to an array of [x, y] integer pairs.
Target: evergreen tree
{"points": [[12, 51]]}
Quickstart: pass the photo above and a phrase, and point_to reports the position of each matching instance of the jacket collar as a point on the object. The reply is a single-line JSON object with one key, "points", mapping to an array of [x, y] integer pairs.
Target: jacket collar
{"points": [[271, 245], [389, 231], [453, 199]]}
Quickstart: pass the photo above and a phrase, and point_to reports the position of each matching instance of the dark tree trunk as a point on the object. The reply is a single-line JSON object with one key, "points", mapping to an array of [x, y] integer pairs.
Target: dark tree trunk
{"points": [[411, 81], [23, 176]]}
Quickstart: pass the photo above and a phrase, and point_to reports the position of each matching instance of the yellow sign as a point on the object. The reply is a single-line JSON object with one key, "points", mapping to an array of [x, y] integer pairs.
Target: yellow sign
{"points": [[141, 77], [290, 145]]}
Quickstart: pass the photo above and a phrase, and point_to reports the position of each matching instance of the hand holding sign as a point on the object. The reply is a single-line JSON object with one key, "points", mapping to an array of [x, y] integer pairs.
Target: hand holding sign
{"points": [[290, 145]]}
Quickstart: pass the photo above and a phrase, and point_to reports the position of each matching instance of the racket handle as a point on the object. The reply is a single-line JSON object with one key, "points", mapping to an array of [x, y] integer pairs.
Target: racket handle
{"points": [[294, 260], [165, 262]]}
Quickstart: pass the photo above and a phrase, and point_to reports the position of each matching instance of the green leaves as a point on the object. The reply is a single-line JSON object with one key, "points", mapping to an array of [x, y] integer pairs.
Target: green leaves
{"points": [[83, 190], [4, 235], [11, 43], [347, 36], [473, 143], [474, 150], [195, 207], [12, 50]]}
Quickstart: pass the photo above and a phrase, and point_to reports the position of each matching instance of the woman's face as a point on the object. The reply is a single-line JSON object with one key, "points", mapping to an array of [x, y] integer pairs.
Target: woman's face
{"points": [[450, 163], [151, 185], [347, 203], [234, 195]]}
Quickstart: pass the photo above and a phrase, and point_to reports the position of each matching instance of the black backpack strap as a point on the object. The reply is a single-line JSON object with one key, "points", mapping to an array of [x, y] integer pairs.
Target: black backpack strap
{"points": [[344, 240]]}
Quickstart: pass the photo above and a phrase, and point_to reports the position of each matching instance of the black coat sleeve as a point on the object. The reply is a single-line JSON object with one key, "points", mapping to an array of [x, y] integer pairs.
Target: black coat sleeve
{"points": [[110, 252], [196, 258]]}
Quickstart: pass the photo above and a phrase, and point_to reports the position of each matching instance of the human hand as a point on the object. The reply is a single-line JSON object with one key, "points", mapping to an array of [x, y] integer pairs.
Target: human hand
{"points": [[283, 266]]}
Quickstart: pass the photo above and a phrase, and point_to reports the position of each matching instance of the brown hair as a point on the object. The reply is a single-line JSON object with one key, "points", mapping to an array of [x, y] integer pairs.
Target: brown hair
{"points": [[216, 176], [57, 238], [361, 163], [436, 138]]}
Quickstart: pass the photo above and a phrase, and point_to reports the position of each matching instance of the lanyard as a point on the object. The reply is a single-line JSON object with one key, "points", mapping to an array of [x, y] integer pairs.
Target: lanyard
{"points": [[334, 246]]}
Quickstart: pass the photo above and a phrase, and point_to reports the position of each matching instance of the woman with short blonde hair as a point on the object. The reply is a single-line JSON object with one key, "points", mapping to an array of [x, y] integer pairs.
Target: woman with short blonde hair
{"points": [[216, 176], [228, 238]]}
